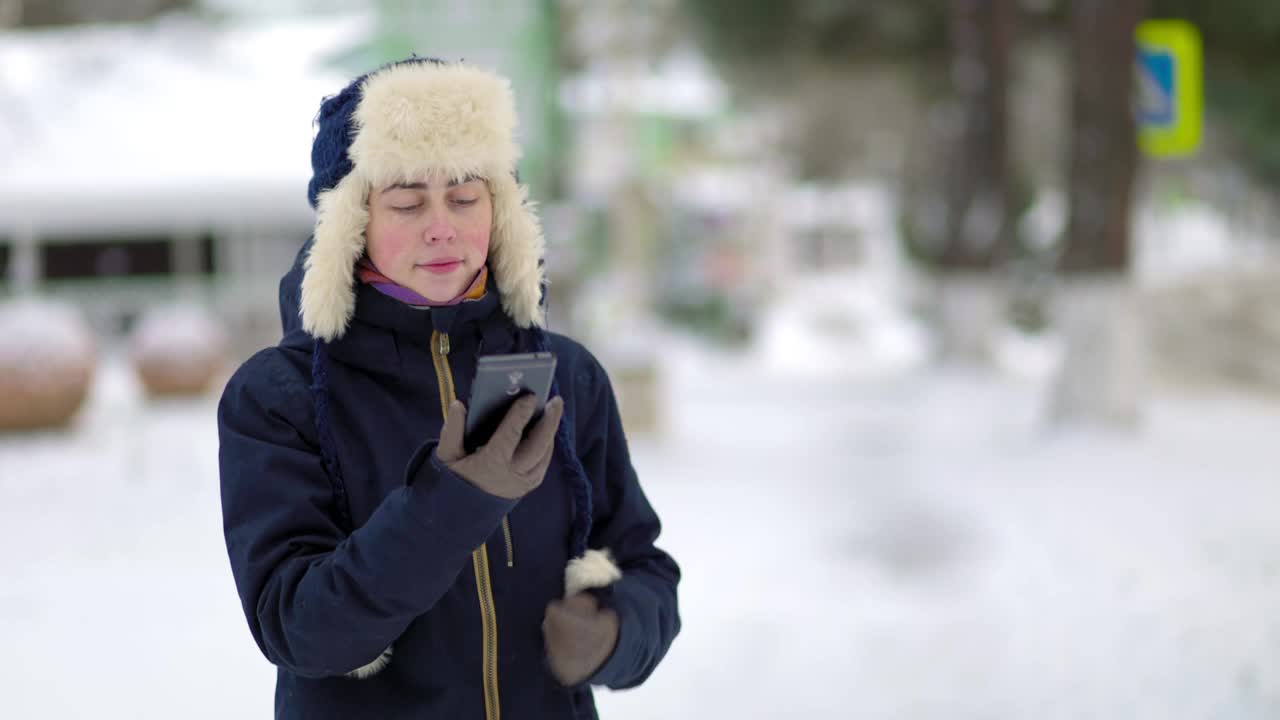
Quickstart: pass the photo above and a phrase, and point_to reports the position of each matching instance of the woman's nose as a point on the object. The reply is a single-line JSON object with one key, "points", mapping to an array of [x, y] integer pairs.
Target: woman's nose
{"points": [[438, 229]]}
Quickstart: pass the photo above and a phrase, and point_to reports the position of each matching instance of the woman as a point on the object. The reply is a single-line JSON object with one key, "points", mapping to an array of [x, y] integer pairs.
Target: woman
{"points": [[383, 569]]}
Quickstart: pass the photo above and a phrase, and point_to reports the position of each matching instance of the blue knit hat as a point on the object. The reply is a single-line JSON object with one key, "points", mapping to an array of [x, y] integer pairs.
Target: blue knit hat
{"points": [[335, 128]]}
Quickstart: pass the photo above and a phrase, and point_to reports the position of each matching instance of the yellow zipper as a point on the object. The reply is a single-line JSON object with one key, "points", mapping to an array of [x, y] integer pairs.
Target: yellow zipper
{"points": [[506, 533], [489, 625], [440, 356], [480, 556]]}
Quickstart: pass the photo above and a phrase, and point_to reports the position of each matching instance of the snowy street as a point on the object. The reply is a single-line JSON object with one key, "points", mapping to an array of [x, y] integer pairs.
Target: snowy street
{"points": [[909, 547], [999, 440]]}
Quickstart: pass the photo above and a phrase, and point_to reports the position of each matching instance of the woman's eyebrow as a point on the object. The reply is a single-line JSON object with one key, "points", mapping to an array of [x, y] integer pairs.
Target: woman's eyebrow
{"points": [[423, 186], [405, 186]]}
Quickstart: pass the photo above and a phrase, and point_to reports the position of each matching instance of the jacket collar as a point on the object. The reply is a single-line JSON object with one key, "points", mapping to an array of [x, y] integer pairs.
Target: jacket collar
{"points": [[384, 329]]}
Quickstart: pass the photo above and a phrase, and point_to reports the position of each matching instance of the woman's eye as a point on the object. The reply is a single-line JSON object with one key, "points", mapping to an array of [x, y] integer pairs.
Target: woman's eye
{"points": [[405, 208], [464, 201]]}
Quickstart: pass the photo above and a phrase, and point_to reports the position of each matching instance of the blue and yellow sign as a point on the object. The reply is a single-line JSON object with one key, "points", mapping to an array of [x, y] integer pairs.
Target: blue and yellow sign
{"points": [[1170, 88]]}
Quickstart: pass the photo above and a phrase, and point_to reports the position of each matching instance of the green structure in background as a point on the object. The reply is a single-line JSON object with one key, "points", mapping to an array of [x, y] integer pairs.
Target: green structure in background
{"points": [[518, 38], [1171, 88]]}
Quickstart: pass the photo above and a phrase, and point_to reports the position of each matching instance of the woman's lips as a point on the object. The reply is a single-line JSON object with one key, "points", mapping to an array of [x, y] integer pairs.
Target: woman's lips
{"points": [[441, 267]]}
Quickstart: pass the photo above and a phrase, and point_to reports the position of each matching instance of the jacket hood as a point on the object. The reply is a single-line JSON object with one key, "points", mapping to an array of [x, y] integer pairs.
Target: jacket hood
{"points": [[290, 300]]}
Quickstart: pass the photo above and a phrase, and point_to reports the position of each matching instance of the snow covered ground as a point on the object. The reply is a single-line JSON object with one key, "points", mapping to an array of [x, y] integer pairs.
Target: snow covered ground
{"points": [[911, 546]]}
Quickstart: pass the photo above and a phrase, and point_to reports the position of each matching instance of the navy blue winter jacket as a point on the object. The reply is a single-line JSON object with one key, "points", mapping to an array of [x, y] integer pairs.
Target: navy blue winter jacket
{"points": [[347, 537]]}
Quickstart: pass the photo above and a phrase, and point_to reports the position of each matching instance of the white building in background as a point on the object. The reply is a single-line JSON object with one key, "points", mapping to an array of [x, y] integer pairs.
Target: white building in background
{"points": [[135, 155]]}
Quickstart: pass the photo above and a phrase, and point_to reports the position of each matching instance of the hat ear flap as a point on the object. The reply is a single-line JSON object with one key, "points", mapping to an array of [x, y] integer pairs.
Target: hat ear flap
{"points": [[516, 248], [328, 282]]}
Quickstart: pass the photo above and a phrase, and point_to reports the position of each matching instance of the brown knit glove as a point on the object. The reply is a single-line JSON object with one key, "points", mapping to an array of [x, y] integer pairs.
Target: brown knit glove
{"points": [[506, 466], [579, 636]]}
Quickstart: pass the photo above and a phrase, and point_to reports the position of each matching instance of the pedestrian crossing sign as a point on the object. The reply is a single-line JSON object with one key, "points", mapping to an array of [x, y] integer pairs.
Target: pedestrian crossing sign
{"points": [[1170, 87]]}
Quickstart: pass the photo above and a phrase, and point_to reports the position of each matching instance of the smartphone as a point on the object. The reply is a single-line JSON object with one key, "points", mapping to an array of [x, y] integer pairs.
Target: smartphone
{"points": [[500, 379]]}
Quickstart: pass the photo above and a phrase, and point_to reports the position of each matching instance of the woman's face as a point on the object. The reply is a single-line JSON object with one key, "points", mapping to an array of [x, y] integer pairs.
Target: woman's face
{"points": [[429, 235]]}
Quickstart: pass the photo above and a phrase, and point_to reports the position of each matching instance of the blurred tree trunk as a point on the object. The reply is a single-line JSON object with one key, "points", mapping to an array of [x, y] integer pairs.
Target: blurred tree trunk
{"points": [[1101, 378], [1104, 150], [977, 179], [10, 13]]}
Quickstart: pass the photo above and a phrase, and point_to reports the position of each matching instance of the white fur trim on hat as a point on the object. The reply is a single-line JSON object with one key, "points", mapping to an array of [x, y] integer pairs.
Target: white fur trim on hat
{"points": [[448, 117], [328, 280], [411, 120], [595, 569]]}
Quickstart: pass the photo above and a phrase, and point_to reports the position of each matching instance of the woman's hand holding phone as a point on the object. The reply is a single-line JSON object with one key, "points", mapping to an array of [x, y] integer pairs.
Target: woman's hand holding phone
{"points": [[507, 466]]}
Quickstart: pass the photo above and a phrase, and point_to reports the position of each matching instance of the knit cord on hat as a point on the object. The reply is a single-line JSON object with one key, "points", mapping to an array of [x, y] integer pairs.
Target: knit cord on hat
{"points": [[581, 485], [328, 455]]}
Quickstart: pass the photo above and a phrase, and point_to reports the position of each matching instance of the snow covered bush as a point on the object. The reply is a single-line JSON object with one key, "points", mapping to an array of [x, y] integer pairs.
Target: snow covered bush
{"points": [[839, 324], [178, 350], [1219, 325], [47, 358]]}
